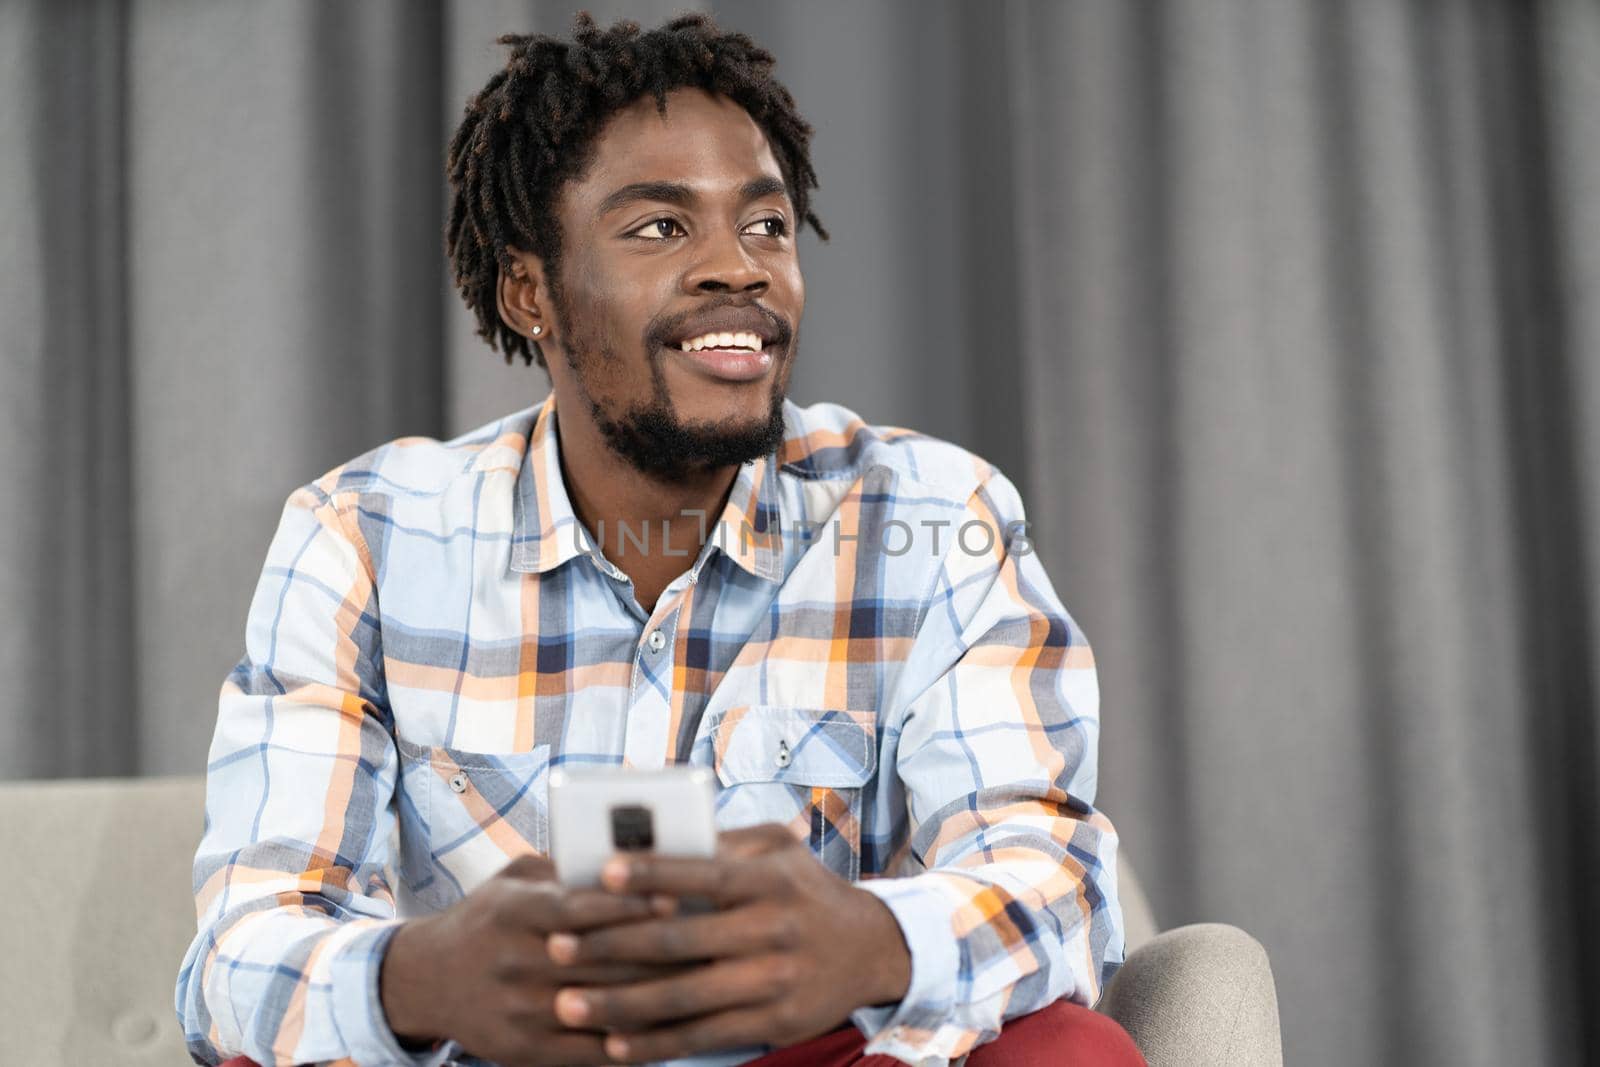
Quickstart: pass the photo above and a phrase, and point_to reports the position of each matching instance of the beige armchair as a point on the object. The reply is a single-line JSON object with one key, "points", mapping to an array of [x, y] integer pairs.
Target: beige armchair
{"points": [[1197, 995], [101, 913]]}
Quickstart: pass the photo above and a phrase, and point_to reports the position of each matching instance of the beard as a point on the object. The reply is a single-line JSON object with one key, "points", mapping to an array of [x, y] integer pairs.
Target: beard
{"points": [[657, 443], [650, 436]]}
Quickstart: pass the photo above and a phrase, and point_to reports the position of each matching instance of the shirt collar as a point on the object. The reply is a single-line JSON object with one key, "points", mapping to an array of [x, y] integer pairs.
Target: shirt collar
{"points": [[750, 530], [546, 532]]}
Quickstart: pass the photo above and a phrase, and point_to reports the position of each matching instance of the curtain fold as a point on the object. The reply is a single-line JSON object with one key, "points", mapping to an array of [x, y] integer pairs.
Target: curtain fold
{"points": [[1303, 411], [65, 557], [1282, 313]]}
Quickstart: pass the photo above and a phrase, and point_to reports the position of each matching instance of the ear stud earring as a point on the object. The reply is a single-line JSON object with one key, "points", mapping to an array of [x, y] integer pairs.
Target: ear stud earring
{"points": [[537, 330]]}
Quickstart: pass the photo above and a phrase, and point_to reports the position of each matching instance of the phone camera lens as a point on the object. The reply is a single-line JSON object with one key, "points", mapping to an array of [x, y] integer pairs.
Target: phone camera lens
{"points": [[632, 829]]}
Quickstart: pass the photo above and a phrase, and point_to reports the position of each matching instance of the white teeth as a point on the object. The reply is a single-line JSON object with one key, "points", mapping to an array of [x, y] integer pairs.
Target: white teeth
{"points": [[742, 339]]}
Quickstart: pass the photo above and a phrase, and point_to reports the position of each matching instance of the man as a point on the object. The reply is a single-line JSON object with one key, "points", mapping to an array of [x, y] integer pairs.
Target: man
{"points": [[665, 562]]}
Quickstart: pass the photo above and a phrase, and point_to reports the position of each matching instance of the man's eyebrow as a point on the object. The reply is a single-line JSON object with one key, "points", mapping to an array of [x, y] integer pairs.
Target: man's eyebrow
{"points": [[682, 195]]}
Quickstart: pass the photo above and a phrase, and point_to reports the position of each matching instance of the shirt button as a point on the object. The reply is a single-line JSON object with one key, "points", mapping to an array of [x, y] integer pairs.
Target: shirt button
{"points": [[657, 640], [458, 782], [782, 759]]}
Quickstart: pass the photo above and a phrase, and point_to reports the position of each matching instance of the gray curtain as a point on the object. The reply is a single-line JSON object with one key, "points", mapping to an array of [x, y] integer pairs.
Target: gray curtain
{"points": [[1284, 314]]}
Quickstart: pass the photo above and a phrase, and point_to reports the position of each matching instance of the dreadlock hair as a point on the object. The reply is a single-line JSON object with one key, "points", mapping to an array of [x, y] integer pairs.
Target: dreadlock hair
{"points": [[533, 127]]}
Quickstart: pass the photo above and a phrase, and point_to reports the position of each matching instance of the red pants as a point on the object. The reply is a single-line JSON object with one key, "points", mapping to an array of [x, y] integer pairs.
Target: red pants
{"points": [[1062, 1034]]}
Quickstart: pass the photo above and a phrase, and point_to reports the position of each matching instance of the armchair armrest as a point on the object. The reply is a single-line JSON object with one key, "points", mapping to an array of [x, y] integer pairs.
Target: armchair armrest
{"points": [[1199, 995]]}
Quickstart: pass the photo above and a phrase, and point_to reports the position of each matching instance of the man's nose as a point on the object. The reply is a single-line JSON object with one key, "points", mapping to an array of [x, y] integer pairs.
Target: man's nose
{"points": [[728, 266]]}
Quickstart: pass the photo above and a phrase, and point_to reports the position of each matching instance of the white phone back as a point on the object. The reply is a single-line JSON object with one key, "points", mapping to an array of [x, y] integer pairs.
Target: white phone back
{"points": [[681, 801]]}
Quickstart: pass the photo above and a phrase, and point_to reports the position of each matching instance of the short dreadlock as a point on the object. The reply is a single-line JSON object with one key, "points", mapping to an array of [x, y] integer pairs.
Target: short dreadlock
{"points": [[533, 127]]}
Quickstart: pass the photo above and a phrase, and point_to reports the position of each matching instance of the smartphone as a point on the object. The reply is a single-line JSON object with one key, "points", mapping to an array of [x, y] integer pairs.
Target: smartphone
{"points": [[596, 812]]}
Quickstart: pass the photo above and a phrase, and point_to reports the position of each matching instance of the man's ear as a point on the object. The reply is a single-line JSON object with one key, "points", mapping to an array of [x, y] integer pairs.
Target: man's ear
{"points": [[518, 294]]}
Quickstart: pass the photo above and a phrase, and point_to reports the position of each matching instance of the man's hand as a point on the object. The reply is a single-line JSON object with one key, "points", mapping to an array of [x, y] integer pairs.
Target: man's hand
{"points": [[791, 952], [478, 971]]}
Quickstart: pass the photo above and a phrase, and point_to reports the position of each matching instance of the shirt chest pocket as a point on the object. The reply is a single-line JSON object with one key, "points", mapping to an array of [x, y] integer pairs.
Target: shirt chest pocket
{"points": [[464, 815], [804, 767]]}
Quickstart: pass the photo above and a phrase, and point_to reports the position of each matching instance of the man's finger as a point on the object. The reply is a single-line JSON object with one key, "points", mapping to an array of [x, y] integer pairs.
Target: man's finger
{"points": [[546, 907], [640, 1005], [738, 932], [530, 867], [569, 1048], [721, 881], [721, 1030], [610, 974]]}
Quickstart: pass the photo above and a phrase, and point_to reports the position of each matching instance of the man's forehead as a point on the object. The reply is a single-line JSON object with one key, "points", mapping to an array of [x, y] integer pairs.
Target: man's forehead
{"points": [[706, 142]]}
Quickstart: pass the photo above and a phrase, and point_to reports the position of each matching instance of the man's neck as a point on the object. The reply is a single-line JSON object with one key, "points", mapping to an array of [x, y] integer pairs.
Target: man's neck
{"points": [[651, 529]]}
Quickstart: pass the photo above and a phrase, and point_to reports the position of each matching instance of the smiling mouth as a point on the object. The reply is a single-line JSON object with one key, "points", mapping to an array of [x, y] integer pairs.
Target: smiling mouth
{"points": [[727, 357], [732, 364]]}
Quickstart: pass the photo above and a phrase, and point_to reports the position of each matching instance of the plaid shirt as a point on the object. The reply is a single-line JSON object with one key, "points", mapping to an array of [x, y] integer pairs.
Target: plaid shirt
{"points": [[434, 630]]}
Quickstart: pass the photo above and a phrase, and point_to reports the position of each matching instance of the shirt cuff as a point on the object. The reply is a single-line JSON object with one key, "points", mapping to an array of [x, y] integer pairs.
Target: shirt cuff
{"points": [[358, 1005], [905, 1030]]}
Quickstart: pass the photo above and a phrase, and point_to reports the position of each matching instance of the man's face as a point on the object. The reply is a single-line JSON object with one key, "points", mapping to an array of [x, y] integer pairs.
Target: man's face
{"points": [[711, 245]]}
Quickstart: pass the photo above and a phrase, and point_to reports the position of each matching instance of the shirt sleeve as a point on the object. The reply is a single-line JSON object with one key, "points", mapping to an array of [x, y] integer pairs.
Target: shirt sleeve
{"points": [[293, 901], [1007, 898]]}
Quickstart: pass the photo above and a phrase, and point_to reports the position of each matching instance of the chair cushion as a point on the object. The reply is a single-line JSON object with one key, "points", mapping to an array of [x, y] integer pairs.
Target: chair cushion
{"points": [[100, 915]]}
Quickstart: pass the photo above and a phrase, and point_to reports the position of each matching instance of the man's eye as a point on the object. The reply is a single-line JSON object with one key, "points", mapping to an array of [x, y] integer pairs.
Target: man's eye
{"points": [[659, 236], [666, 228], [779, 226]]}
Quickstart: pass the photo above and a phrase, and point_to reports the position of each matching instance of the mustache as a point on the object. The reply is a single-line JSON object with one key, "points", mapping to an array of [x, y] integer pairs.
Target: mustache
{"points": [[659, 337]]}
